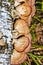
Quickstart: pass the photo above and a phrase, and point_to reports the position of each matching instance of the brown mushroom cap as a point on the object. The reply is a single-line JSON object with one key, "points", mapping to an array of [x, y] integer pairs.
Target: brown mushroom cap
{"points": [[21, 26], [17, 58], [21, 44], [1, 34], [2, 43], [24, 9]]}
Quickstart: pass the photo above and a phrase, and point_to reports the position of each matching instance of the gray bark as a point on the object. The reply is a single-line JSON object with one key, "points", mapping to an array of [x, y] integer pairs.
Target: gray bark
{"points": [[5, 28]]}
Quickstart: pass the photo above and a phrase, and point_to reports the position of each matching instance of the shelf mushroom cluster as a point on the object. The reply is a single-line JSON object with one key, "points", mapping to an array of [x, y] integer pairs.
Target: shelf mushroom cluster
{"points": [[22, 12]]}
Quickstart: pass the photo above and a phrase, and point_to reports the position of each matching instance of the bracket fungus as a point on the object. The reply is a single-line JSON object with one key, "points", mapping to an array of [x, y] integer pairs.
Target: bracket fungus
{"points": [[22, 14]]}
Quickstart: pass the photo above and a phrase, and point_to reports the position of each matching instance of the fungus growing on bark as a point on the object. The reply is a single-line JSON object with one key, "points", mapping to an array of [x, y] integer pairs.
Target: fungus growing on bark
{"points": [[23, 12]]}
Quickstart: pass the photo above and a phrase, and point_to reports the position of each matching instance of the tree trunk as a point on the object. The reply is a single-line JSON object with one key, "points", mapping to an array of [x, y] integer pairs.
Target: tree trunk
{"points": [[5, 28]]}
